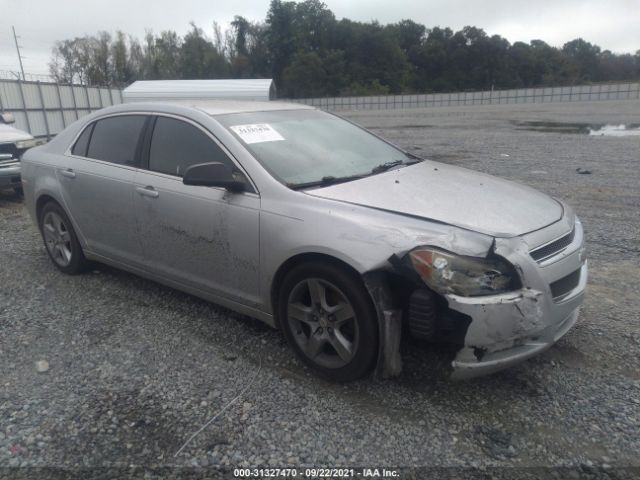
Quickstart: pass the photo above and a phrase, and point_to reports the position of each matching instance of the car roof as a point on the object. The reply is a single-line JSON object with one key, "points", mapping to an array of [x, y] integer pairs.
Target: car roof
{"points": [[183, 107], [215, 107]]}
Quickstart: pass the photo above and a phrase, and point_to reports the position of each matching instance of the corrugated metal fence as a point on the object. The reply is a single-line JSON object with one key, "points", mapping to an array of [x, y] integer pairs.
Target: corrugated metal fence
{"points": [[44, 109], [577, 93]]}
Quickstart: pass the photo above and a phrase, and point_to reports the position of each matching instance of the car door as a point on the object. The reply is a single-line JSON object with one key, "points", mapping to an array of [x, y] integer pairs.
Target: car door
{"points": [[203, 237], [97, 185]]}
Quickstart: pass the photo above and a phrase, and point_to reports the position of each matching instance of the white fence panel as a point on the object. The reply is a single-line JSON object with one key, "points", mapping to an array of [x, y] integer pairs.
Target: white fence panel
{"points": [[37, 123], [31, 95], [50, 96], [21, 120], [521, 95], [45, 109], [94, 99], [80, 95], [56, 121], [69, 116], [11, 97]]}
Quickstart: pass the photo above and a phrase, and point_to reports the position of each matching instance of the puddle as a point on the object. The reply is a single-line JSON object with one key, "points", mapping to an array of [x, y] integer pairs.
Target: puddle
{"points": [[593, 129], [396, 127], [616, 130]]}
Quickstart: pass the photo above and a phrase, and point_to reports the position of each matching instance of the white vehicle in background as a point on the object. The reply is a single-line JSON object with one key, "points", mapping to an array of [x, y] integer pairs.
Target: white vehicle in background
{"points": [[13, 143]]}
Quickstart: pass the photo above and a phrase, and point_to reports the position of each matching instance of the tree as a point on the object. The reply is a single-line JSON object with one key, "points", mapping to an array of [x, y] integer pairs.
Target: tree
{"points": [[313, 25], [100, 71], [248, 54], [308, 52], [280, 36], [584, 57], [371, 53], [199, 58], [161, 56], [433, 62], [136, 58], [305, 76], [408, 34], [72, 60], [241, 27], [122, 73]]}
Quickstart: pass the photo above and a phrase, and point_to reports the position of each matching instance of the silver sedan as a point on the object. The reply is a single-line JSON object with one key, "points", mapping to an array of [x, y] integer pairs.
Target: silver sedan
{"points": [[316, 226]]}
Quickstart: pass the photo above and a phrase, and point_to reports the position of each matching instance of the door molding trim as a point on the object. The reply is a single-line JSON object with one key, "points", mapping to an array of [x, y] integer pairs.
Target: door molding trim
{"points": [[236, 306]]}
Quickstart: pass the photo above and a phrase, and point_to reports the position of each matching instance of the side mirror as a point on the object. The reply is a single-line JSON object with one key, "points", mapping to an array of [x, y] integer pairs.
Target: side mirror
{"points": [[214, 174], [7, 118]]}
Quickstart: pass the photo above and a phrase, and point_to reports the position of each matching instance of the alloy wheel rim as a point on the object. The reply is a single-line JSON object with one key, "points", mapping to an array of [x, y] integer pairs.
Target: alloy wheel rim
{"points": [[57, 238], [323, 323]]}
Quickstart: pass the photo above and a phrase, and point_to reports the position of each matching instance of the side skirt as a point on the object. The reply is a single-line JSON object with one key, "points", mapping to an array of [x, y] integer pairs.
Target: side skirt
{"points": [[210, 297]]}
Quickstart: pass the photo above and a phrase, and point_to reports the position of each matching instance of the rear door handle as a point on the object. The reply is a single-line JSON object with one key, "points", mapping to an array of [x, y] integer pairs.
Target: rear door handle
{"points": [[147, 191], [69, 173]]}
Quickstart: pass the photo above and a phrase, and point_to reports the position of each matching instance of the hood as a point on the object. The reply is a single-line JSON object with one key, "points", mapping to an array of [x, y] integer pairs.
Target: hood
{"points": [[452, 195], [10, 134]]}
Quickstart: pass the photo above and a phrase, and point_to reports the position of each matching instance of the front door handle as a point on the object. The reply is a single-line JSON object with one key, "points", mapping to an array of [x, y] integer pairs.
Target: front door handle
{"points": [[147, 191], [69, 173]]}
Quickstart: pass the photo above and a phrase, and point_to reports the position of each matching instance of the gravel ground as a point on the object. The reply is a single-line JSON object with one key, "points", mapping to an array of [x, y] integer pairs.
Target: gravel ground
{"points": [[133, 368]]}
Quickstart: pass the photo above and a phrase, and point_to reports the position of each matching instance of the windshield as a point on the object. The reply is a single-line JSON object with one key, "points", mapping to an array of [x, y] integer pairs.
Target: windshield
{"points": [[306, 147]]}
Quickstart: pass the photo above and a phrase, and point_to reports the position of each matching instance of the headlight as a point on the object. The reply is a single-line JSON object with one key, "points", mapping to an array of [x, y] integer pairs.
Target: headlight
{"points": [[445, 272], [24, 144]]}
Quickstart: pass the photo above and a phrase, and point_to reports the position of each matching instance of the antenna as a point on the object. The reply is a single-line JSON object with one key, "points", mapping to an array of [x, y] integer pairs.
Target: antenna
{"points": [[15, 39]]}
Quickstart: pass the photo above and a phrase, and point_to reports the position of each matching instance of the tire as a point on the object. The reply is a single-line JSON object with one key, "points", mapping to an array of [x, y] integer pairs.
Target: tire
{"points": [[60, 240], [329, 319]]}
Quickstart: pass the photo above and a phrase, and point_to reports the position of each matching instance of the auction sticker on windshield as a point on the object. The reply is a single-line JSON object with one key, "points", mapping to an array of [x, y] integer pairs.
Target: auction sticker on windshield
{"points": [[257, 133]]}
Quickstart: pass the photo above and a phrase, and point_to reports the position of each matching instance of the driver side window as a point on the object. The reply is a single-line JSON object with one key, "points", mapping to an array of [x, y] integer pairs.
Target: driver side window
{"points": [[176, 145]]}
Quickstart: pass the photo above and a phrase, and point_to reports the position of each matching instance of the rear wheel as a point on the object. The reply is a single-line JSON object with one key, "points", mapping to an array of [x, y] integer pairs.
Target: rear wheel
{"points": [[60, 240], [329, 320]]}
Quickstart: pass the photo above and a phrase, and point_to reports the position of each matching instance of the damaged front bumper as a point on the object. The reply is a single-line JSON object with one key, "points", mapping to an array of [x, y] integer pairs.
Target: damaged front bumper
{"points": [[507, 329], [487, 333]]}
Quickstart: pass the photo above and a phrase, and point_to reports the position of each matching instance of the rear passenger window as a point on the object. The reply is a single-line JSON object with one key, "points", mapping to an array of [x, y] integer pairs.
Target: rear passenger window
{"points": [[176, 145], [80, 148], [115, 139]]}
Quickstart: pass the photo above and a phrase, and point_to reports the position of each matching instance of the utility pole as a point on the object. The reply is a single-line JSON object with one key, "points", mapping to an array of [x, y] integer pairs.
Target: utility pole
{"points": [[15, 39]]}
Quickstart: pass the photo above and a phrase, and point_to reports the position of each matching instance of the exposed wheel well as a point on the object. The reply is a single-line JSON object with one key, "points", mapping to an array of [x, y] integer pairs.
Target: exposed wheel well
{"points": [[41, 202], [299, 260]]}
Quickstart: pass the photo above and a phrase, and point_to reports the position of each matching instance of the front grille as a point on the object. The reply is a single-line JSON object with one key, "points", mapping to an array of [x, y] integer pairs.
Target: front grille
{"points": [[9, 148], [553, 248], [561, 287]]}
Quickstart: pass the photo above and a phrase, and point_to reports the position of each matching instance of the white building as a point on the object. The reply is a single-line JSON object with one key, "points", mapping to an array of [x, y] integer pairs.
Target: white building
{"points": [[231, 89]]}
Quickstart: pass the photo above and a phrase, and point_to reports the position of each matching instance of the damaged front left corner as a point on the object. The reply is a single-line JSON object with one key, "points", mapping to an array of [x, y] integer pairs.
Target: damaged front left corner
{"points": [[389, 363], [503, 330]]}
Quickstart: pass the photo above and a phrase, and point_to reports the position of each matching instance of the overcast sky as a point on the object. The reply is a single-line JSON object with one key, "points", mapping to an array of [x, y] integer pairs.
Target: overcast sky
{"points": [[612, 24]]}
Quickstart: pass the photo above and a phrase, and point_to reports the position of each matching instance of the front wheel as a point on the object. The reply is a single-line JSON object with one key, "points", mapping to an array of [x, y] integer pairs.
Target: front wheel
{"points": [[329, 320], [60, 240]]}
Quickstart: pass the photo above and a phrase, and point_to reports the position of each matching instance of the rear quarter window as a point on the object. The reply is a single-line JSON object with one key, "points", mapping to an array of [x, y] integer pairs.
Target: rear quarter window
{"points": [[115, 139], [80, 147]]}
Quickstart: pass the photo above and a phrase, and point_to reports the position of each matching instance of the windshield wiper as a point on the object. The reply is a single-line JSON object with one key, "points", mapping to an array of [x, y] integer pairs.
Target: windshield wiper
{"points": [[331, 180], [414, 158], [394, 163], [383, 167], [324, 181]]}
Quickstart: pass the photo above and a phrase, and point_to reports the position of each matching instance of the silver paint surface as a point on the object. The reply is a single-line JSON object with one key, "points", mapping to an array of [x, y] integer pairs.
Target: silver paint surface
{"points": [[453, 195], [228, 247]]}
